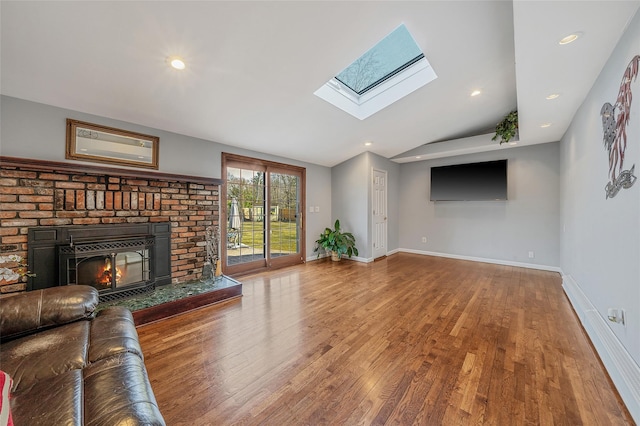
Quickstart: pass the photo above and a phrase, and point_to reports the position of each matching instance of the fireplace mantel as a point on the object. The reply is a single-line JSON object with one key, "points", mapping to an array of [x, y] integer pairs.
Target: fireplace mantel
{"points": [[50, 166]]}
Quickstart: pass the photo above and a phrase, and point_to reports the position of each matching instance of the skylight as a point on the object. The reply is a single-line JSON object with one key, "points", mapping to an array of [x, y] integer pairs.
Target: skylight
{"points": [[394, 53], [387, 72]]}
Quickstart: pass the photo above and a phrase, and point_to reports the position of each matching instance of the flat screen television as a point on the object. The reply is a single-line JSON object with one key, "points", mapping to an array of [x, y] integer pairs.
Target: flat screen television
{"points": [[470, 182]]}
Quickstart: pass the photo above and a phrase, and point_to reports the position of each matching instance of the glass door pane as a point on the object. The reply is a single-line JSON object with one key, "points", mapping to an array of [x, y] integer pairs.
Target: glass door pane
{"points": [[245, 222], [132, 267], [284, 236]]}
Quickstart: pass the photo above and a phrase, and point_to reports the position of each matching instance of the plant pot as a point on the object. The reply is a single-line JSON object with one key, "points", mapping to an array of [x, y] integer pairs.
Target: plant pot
{"points": [[335, 256]]}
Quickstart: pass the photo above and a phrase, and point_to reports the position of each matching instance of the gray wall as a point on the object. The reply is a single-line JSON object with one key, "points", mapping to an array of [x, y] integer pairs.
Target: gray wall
{"points": [[600, 244], [38, 131], [351, 199], [492, 230]]}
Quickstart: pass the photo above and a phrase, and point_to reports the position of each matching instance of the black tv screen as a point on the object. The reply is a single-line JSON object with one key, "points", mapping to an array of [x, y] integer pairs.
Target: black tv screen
{"points": [[470, 182]]}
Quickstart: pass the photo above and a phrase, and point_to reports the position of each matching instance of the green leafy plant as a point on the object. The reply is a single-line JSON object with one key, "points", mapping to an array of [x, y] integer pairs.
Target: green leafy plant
{"points": [[334, 240], [507, 128]]}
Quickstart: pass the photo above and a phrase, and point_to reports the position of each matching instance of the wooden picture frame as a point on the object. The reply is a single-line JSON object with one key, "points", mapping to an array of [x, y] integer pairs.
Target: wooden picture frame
{"points": [[102, 144]]}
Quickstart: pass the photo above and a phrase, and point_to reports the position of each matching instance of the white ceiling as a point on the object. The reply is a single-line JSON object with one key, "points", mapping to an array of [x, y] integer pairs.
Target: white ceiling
{"points": [[252, 68]]}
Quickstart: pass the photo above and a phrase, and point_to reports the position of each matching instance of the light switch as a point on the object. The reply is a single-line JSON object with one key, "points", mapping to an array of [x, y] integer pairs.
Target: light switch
{"points": [[317, 209], [310, 209]]}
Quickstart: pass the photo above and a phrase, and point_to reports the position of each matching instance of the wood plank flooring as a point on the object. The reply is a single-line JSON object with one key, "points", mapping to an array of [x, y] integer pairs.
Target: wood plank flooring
{"points": [[406, 340]]}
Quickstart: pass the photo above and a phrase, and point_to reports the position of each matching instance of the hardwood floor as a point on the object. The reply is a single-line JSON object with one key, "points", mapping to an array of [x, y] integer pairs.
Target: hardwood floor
{"points": [[407, 340]]}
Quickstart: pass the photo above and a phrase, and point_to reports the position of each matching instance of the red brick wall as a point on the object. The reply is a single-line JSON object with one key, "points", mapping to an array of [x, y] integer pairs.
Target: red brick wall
{"points": [[32, 198]]}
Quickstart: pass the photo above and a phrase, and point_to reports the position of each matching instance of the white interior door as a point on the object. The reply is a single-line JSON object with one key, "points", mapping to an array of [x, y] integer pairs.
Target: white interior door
{"points": [[379, 204]]}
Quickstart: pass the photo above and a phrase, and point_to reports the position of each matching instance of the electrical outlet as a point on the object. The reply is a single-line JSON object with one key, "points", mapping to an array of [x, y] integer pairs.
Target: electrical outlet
{"points": [[424, 239], [310, 209], [532, 255], [317, 209], [617, 315]]}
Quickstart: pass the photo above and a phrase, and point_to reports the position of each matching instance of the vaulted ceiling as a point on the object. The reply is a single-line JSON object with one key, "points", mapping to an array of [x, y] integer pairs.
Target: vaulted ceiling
{"points": [[252, 68]]}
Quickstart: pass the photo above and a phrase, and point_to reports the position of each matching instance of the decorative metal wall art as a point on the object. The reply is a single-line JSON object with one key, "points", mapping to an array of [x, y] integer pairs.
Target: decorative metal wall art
{"points": [[614, 129]]}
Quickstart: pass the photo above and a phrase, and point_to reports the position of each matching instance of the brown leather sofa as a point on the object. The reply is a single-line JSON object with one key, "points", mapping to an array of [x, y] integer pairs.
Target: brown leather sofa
{"points": [[70, 367]]}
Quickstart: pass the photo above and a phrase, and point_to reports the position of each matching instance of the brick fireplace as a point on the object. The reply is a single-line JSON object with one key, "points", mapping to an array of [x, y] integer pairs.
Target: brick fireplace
{"points": [[38, 194]]}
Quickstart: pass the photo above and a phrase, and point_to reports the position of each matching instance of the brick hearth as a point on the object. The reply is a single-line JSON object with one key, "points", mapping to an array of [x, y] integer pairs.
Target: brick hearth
{"points": [[39, 193]]}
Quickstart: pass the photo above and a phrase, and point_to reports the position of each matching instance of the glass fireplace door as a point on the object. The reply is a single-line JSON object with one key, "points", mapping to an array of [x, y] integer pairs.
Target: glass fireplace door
{"points": [[110, 271], [116, 268]]}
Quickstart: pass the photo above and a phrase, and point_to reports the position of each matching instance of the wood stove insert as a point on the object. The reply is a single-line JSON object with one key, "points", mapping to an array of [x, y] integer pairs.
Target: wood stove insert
{"points": [[118, 260], [116, 268]]}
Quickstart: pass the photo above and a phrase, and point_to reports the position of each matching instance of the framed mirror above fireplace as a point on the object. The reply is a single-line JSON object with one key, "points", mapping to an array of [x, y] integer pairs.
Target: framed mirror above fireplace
{"points": [[102, 144]]}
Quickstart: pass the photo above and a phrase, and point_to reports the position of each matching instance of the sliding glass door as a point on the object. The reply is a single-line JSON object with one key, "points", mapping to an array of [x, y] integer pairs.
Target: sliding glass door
{"points": [[263, 206]]}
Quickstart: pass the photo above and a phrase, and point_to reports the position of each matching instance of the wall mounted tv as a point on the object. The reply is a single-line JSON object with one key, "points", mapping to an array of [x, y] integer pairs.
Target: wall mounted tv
{"points": [[470, 182]]}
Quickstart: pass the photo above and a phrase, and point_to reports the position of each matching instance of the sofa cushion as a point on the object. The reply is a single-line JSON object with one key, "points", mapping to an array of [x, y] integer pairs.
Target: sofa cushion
{"points": [[35, 310], [55, 401], [117, 392], [46, 354], [113, 332]]}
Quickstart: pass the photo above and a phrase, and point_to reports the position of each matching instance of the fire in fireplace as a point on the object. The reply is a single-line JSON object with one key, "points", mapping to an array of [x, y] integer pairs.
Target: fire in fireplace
{"points": [[105, 275], [98, 272]]}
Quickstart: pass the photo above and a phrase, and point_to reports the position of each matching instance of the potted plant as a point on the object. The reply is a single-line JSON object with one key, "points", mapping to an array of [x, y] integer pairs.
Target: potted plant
{"points": [[507, 129], [337, 242]]}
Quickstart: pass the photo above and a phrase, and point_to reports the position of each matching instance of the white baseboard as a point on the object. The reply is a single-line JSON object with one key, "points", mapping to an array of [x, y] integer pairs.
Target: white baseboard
{"points": [[485, 260], [315, 257], [371, 259], [622, 369], [453, 256], [356, 258]]}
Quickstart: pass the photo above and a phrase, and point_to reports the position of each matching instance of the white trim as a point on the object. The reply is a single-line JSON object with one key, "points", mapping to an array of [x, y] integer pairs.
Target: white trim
{"points": [[485, 260], [622, 369], [455, 256], [355, 258], [386, 208], [315, 257]]}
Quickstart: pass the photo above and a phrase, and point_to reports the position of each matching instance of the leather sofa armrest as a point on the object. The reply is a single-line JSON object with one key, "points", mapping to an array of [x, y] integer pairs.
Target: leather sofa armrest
{"points": [[35, 310]]}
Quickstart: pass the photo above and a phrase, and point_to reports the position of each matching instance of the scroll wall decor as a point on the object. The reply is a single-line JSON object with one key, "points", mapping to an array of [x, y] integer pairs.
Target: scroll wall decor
{"points": [[92, 142], [614, 130]]}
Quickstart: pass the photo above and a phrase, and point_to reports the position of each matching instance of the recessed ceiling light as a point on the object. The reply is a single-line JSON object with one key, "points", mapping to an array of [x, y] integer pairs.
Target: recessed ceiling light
{"points": [[418, 157], [475, 93], [545, 125], [177, 63], [570, 38], [553, 96], [368, 143]]}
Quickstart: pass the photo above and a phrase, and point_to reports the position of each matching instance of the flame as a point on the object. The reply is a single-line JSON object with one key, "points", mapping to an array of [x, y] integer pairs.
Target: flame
{"points": [[106, 275]]}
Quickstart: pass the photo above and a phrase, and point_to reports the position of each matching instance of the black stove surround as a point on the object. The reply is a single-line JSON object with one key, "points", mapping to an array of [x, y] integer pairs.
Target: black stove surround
{"points": [[119, 260]]}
